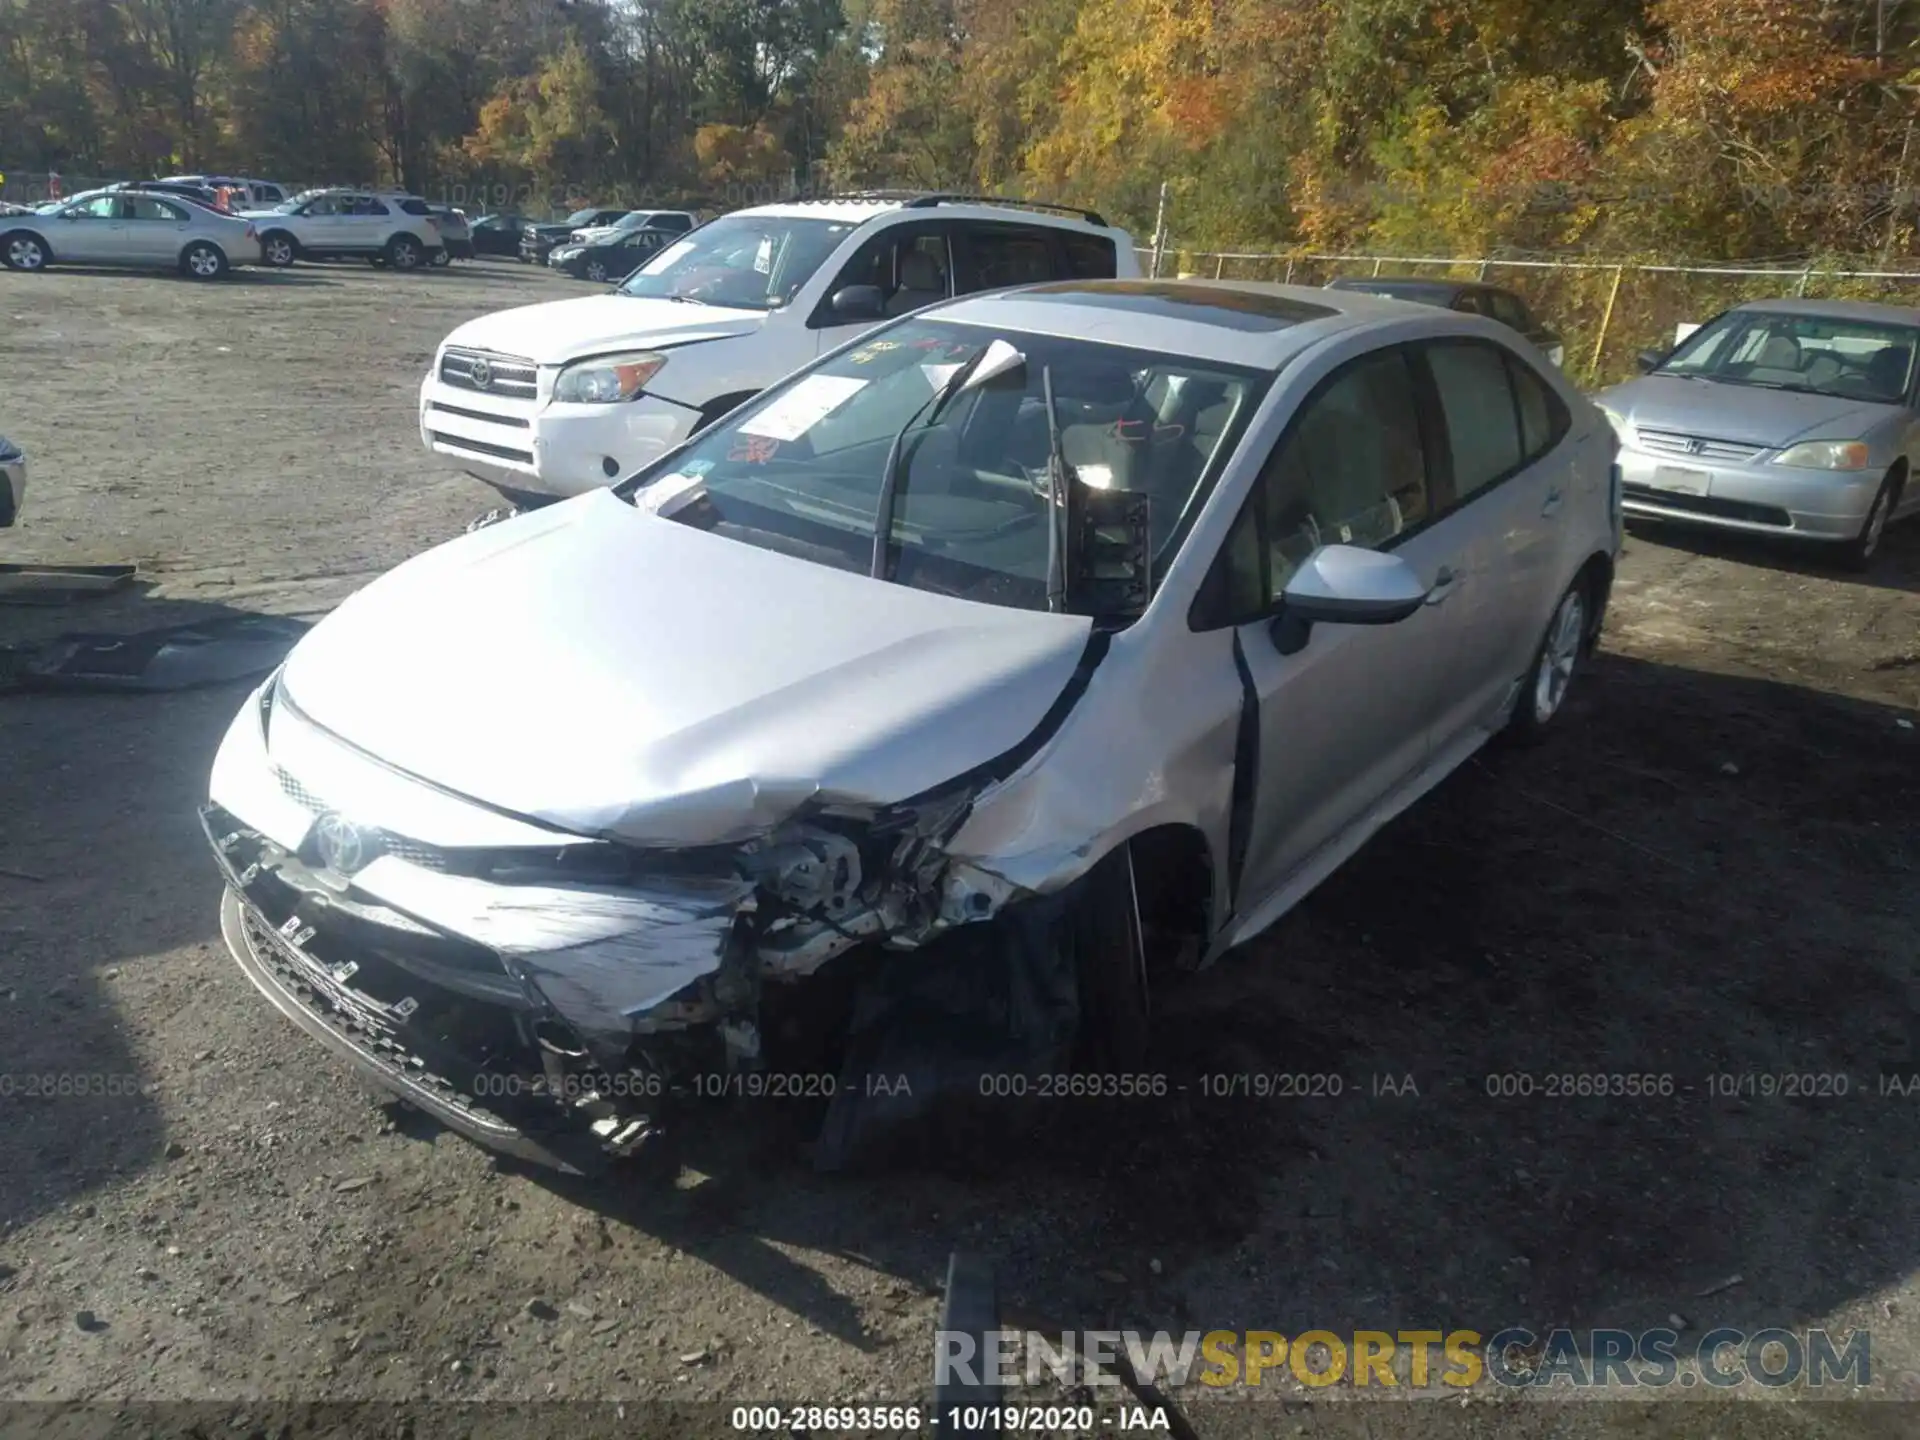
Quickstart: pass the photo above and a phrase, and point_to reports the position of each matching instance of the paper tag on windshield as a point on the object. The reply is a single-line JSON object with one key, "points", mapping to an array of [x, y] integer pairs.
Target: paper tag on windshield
{"points": [[938, 375], [665, 492], [803, 407]]}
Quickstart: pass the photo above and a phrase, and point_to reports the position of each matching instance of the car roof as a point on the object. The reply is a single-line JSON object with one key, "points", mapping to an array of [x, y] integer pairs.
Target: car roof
{"points": [[1836, 309], [1240, 322], [858, 209]]}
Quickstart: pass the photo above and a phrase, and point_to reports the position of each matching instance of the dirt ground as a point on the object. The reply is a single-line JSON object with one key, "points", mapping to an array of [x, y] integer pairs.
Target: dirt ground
{"points": [[1713, 868]]}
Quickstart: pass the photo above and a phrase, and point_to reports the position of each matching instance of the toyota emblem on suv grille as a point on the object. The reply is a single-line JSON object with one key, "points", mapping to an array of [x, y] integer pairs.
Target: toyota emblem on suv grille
{"points": [[343, 846], [481, 373]]}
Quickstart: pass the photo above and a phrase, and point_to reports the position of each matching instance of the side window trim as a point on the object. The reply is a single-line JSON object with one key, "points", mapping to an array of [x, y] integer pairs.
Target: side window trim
{"points": [[1433, 444]]}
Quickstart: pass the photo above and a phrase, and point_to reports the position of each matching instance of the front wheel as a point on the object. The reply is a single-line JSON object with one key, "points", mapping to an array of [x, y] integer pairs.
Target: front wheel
{"points": [[278, 251], [442, 258], [1554, 663], [203, 261], [26, 252], [1858, 553], [597, 271]]}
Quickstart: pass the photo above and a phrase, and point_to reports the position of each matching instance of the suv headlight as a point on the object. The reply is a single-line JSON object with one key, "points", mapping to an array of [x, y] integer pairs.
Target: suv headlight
{"points": [[1825, 455], [606, 379]]}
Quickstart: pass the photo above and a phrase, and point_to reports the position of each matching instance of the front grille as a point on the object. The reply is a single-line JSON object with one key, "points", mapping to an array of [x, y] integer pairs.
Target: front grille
{"points": [[414, 852], [1700, 447], [516, 421], [481, 447], [504, 374], [1715, 506]]}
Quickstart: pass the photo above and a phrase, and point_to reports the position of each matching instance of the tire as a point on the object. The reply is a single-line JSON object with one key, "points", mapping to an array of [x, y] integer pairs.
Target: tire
{"points": [[1555, 662], [279, 249], [23, 250], [405, 253], [1859, 553], [597, 271], [442, 258], [203, 260], [378, 262]]}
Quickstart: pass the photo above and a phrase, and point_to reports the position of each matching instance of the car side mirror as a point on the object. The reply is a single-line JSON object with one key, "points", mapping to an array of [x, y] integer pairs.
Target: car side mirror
{"points": [[858, 302], [1345, 585], [1649, 360]]}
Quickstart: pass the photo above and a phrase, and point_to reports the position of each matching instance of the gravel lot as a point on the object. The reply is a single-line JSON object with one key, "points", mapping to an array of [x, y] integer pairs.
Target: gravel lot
{"points": [[1714, 867]]}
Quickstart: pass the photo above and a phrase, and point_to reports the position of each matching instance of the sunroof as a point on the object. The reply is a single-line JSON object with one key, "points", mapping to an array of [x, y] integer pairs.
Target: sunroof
{"points": [[1171, 300]]}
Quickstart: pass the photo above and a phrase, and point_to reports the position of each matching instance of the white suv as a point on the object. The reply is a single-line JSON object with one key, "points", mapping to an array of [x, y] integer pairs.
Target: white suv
{"points": [[382, 226], [547, 401]]}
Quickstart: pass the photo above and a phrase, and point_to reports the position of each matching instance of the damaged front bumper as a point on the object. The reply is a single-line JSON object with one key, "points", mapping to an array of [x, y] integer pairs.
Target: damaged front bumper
{"points": [[557, 1003]]}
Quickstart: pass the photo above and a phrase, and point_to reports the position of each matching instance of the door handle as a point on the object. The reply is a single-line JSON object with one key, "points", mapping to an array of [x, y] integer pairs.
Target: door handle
{"points": [[1551, 503], [1443, 585]]}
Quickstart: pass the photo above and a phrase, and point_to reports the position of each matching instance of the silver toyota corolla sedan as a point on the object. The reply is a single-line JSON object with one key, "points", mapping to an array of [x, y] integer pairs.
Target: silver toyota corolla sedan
{"points": [[902, 723], [1780, 417]]}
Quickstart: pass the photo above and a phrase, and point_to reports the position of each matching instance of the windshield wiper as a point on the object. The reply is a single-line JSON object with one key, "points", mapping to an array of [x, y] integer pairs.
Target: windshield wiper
{"points": [[1057, 494], [896, 462]]}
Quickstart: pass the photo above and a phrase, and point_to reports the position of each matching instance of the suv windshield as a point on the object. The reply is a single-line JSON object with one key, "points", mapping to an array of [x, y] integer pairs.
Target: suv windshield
{"points": [[799, 471], [1818, 354], [753, 262]]}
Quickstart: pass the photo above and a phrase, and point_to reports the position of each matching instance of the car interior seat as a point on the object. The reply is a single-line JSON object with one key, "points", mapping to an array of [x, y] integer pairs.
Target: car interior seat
{"points": [[921, 283]]}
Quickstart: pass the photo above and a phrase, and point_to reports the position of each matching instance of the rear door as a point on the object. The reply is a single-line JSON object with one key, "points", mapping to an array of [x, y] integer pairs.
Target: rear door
{"points": [[156, 229], [1507, 480], [366, 224]]}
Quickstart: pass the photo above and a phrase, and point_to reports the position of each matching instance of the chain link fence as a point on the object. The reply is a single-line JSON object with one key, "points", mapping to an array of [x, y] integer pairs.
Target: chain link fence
{"points": [[1606, 311]]}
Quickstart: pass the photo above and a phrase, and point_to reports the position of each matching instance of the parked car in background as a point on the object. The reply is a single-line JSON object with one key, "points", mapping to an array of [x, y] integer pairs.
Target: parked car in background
{"points": [[536, 239], [13, 482], [389, 226], [131, 227], [614, 255], [248, 194], [7, 207], [549, 400], [1028, 632], [202, 195], [497, 234], [676, 221], [456, 236], [1469, 298], [1779, 417]]}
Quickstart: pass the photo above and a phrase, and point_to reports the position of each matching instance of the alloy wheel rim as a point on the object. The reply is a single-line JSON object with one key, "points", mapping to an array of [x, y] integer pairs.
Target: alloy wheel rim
{"points": [[596, 271], [404, 257], [204, 262], [279, 252], [25, 253], [1559, 656]]}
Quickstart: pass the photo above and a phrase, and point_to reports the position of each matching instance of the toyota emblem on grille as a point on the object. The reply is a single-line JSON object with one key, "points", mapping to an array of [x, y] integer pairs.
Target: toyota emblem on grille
{"points": [[481, 373], [342, 845]]}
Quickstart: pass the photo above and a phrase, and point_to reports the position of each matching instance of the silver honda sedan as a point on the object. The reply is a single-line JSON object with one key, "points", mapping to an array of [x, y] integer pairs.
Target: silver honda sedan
{"points": [[933, 694], [1779, 417]]}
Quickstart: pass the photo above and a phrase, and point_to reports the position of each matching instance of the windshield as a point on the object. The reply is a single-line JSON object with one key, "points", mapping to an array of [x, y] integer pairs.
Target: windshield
{"points": [[1817, 354], [582, 217], [754, 262], [294, 202], [800, 470]]}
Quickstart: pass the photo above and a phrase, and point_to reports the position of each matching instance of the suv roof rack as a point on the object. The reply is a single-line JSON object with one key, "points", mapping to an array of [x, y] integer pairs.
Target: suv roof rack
{"points": [[946, 197]]}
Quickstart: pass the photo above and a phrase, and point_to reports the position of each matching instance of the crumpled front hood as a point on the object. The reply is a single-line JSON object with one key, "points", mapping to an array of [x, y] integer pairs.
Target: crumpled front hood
{"points": [[595, 324], [614, 673], [1749, 413]]}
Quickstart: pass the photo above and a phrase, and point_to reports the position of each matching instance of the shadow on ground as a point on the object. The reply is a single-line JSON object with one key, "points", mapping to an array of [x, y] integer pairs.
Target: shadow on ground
{"points": [[1697, 877]]}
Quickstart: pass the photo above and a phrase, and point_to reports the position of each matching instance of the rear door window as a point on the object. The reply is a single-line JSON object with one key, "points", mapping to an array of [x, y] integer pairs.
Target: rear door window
{"points": [[1001, 255], [1544, 417], [1483, 423], [1089, 257]]}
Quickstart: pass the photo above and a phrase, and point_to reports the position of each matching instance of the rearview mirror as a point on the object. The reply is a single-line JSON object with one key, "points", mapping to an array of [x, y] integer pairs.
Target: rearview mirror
{"points": [[1649, 360], [858, 302], [1345, 585]]}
